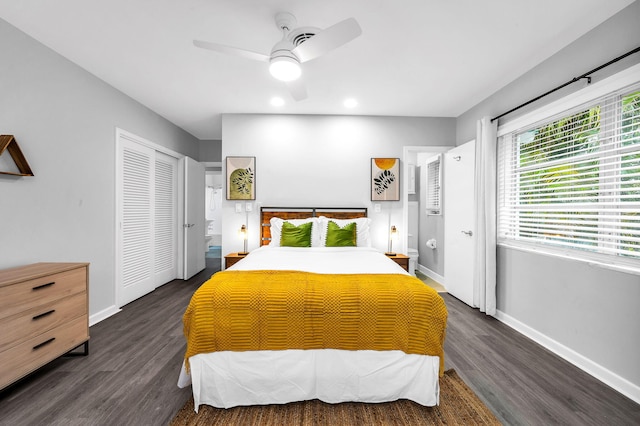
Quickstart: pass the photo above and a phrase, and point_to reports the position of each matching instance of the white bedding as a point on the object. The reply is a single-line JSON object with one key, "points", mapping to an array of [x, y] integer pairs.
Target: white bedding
{"points": [[227, 379], [327, 260]]}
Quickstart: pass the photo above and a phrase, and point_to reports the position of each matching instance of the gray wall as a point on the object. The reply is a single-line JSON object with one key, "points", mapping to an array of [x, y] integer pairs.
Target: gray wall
{"points": [[64, 119], [318, 160], [210, 151], [590, 310]]}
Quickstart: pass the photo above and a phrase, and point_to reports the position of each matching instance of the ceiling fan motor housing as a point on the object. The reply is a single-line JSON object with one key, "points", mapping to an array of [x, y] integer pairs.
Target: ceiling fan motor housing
{"points": [[284, 65]]}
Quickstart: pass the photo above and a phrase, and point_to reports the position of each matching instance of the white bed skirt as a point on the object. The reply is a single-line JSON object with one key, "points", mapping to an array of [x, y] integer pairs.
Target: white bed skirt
{"points": [[228, 379]]}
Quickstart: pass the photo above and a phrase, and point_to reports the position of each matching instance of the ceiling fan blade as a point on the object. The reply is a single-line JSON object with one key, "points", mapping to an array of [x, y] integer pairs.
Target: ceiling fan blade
{"points": [[248, 54], [328, 39], [297, 89]]}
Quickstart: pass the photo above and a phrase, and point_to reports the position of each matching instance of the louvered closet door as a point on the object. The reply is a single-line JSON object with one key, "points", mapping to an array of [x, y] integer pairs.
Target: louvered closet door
{"points": [[136, 245], [165, 219]]}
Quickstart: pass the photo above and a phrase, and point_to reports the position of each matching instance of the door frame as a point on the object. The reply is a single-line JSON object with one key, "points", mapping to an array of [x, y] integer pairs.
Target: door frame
{"points": [[123, 134]]}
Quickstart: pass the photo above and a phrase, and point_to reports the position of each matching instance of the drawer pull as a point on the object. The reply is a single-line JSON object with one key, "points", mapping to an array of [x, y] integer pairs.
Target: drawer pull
{"points": [[44, 314], [46, 342], [40, 287]]}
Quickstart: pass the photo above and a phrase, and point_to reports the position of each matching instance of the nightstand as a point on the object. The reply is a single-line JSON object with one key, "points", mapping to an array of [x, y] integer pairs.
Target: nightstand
{"points": [[400, 259], [233, 258]]}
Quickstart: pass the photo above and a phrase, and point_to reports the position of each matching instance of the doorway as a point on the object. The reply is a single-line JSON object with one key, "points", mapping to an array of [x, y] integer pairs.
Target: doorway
{"points": [[421, 227]]}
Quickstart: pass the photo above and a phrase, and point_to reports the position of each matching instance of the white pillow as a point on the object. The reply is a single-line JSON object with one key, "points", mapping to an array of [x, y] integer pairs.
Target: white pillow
{"points": [[363, 238], [276, 230]]}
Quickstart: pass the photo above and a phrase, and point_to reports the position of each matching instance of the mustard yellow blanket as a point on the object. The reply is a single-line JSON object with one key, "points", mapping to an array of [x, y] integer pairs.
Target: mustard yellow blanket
{"points": [[277, 310]]}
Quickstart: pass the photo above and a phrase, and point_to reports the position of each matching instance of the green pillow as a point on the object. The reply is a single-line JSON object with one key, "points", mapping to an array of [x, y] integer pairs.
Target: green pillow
{"points": [[341, 237], [296, 236]]}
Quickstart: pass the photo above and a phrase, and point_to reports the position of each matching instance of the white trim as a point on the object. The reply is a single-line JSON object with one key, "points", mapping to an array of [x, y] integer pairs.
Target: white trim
{"points": [[103, 315], [145, 142], [601, 373], [617, 81], [434, 276]]}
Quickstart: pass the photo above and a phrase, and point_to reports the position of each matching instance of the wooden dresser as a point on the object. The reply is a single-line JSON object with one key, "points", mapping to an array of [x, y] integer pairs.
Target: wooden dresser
{"points": [[43, 315]]}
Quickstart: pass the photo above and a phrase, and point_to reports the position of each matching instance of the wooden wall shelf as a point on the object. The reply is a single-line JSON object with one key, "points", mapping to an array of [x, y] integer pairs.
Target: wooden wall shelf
{"points": [[8, 142]]}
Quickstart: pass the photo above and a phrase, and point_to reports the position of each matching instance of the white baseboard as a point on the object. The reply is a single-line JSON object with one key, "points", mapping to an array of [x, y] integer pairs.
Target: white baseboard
{"points": [[606, 376], [434, 276], [103, 315]]}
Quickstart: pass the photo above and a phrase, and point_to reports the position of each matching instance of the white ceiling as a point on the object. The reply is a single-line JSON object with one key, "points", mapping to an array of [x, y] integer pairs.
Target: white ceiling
{"points": [[433, 58]]}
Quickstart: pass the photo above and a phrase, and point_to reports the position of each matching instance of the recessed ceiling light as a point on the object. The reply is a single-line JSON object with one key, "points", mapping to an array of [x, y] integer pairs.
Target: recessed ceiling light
{"points": [[350, 103], [276, 101]]}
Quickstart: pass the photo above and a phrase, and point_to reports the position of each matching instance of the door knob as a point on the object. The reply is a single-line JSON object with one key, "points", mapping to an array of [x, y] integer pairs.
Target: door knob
{"points": [[469, 233]]}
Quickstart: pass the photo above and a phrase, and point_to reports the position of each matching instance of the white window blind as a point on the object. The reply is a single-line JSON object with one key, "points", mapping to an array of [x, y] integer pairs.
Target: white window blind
{"points": [[572, 182], [434, 193]]}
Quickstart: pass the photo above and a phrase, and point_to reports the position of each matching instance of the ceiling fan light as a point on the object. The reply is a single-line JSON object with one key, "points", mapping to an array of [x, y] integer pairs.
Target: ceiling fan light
{"points": [[285, 69]]}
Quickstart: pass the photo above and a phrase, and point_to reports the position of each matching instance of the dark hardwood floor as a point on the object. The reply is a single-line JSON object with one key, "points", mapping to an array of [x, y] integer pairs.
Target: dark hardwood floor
{"points": [[522, 382], [130, 375]]}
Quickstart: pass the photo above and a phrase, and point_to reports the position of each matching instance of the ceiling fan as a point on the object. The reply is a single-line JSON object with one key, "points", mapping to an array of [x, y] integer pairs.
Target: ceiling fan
{"points": [[298, 45]]}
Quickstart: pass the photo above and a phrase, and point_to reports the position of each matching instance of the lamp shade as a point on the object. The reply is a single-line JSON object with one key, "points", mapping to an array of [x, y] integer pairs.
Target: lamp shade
{"points": [[393, 235], [243, 234]]}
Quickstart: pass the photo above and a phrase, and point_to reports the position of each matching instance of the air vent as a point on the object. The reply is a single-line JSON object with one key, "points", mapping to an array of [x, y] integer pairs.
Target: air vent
{"points": [[300, 35], [301, 38]]}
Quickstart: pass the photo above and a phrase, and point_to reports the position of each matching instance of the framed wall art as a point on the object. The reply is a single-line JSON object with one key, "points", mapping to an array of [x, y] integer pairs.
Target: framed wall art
{"points": [[241, 178], [385, 179]]}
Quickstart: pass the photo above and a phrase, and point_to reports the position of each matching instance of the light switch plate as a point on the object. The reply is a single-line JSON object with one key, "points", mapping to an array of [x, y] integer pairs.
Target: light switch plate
{"points": [[376, 208], [238, 207], [248, 207]]}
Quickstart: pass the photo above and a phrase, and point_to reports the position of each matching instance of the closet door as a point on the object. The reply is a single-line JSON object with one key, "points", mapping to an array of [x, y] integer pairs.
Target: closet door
{"points": [[136, 207], [147, 218], [165, 219]]}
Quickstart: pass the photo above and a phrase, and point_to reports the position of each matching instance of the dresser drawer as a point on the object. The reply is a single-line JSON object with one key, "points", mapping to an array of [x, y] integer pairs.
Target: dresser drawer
{"points": [[41, 291], [28, 356], [37, 320]]}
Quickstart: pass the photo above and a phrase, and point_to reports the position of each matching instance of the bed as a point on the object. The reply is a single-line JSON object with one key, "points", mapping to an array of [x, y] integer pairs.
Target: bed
{"points": [[340, 323]]}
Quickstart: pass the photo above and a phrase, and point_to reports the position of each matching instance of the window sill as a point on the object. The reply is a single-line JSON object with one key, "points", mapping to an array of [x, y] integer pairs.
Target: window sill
{"points": [[589, 260]]}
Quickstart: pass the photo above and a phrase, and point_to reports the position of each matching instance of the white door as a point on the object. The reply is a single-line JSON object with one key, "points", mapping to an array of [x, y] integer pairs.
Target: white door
{"points": [[459, 232], [165, 219], [147, 218], [135, 209], [194, 221]]}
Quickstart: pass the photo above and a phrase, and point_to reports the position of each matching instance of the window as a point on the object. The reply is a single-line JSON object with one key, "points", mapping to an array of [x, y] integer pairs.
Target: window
{"points": [[434, 193], [571, 184]]}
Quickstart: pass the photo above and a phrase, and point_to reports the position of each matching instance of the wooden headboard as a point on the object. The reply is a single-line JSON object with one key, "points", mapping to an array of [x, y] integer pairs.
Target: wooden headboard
{"points": [[266, 213]]}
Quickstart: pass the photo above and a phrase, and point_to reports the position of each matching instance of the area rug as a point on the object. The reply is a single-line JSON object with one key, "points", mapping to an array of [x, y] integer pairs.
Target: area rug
{"points": [[458, 406]]}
